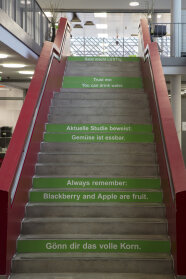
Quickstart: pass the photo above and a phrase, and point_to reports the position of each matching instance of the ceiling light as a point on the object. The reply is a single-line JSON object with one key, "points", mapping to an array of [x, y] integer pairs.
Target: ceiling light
{"points": [[75, 18], [100, 14], [103, 35], [159, 16], [26, 72], [89, 23], [78, 26], [1, 72], [3, 55], [23, 2], [48, 14], [101, 26], [134, 4], [13, 65]]}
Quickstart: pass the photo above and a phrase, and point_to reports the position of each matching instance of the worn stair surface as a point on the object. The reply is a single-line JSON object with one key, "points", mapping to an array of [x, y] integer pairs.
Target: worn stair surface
{"points": [[96, 207]]}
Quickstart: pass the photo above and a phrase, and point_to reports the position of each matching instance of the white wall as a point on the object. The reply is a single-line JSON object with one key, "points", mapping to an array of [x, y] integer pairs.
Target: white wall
{"points": [[10, 109]]}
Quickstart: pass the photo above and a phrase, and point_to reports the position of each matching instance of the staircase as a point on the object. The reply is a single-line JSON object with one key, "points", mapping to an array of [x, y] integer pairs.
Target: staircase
{"points": [[95, 209]]}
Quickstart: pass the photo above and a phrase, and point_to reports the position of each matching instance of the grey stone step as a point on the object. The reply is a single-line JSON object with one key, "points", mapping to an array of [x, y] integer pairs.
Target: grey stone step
{"points": [[126, 158], [138, 104], [98, 170], [98, 148], [63, 111], [127, 69], [119, 263], [106, 90], [110, 226], [98, 119], [155, 210], [100, 96], [91, 276], [69, 236]]}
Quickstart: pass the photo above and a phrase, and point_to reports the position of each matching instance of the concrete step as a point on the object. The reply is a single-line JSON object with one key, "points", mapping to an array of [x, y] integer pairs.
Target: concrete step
{"points": [[103, 137], [126, 158], [91, 276], [95, 81], [63, 111], [96, 170], [125, 263], [103, 90], [99, 225], [84, 119], [100, 96], [103, 237], [134, 210], [99, 128], [128, 69], [72, 183], [93, 195], [139, 104], [97, 148]]}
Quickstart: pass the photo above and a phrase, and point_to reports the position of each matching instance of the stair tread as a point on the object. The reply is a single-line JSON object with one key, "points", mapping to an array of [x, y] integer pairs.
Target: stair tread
{"points": [[96, 190], [35, 256], [98, 164], [91, 276], [70, 204], [94, 236], [93, 90], [93, 219]]}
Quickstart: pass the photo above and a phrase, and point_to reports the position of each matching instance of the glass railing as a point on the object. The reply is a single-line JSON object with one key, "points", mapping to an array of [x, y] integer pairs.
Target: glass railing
{"points": [[171, 38], [29, 15], [91, 46]]}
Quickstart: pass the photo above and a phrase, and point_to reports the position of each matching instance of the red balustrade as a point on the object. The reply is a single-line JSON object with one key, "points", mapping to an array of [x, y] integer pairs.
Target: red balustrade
{"points": [[47, 78], [171, 164]]}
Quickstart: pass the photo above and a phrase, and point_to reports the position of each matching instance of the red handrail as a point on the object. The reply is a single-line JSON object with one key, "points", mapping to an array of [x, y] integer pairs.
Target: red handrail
{"points": [[172, 168], [12, 211]]}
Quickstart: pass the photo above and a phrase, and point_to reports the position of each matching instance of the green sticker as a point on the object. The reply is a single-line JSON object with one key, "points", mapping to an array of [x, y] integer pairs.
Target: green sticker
{"points": [[98, 246], [103, 59], [102, 82], [127, 183], [93, 128], [66, 196], [120, 137]]}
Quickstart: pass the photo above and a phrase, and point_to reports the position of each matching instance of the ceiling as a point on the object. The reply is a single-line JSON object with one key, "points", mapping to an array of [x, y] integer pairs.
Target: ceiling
{"points": [[106, 5], [118, 24], [12, 75]]}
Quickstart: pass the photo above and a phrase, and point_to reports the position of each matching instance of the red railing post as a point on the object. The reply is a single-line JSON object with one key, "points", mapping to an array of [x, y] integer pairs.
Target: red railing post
{"points": [[4, 204]]}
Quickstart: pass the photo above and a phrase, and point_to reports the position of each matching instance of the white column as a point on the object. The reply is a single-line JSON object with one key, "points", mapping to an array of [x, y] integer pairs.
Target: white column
{"points": [[154, 20], [176, 30], [176, 103]]}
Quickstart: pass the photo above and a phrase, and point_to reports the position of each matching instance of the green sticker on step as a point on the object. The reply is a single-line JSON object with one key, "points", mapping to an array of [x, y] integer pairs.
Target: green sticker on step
{"points": [[127, 183], [102, 82], [59, 128], [66, 196], [91, 246], [103, 59], [104, 137]]}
